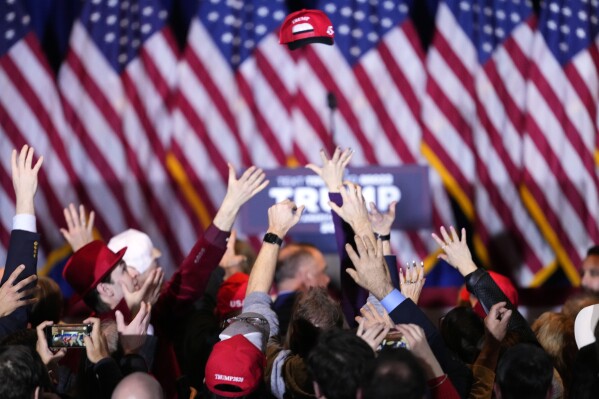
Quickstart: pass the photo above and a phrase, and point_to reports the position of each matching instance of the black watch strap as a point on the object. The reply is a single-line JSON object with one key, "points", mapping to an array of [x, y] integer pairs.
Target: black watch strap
{"points": [[385, 237], [272, 239]]}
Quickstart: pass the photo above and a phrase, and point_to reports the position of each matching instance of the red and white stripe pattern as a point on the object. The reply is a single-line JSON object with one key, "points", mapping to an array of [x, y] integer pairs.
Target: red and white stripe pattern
{"points": [[235, 104], [561, 129], [30, 113], [378, 85], [474, 116], [117, 84]]}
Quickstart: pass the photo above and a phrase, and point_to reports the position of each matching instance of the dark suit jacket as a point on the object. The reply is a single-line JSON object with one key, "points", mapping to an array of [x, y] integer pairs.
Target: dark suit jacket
{"points": [[407, 312], [22, 250]]}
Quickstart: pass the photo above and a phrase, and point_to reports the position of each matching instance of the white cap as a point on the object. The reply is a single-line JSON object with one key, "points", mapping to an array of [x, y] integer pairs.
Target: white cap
{"points": [[584, 326], [140, 251]]}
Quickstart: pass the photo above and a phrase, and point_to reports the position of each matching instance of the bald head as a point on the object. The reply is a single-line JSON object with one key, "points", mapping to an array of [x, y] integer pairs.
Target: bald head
{"points": [[138, 386]]}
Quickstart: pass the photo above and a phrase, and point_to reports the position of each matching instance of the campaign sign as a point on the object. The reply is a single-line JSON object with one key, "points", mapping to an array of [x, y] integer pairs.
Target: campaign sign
{"points": [[408, 185]]}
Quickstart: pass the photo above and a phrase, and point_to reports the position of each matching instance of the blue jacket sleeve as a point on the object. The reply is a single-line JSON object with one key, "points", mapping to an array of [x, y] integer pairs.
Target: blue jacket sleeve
{"points": [[22, 250], [408, 313]]}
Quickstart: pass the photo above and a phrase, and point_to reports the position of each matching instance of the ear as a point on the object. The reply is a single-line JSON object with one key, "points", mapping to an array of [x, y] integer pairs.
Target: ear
{"points": [[317, 391], [105, 289], [359, 394]]}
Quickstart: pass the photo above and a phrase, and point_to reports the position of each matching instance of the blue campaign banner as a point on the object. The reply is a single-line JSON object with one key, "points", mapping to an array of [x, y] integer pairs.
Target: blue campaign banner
{"points": [[407, 184]]}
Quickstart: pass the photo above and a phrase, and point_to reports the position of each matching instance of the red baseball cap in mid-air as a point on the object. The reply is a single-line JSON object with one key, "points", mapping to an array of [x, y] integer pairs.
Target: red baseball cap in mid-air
{"points": [[304, 27]]}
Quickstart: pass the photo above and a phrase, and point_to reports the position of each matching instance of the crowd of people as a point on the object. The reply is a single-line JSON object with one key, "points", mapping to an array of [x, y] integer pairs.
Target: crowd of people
{"points": [[233, 323]]}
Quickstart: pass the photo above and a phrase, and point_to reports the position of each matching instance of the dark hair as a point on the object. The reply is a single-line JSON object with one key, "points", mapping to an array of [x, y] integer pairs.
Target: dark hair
{"points": [[395, 373], [337, 363], [314, 311], [524, 371], [21, 372], [463, 332], [50, 302], [93, 300], [594, 250], [26, 337], [290, 259]]}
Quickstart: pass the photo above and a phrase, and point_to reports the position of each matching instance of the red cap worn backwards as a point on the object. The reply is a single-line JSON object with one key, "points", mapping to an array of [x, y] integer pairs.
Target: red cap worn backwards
{"points": [[235, 367], [304, 27]]}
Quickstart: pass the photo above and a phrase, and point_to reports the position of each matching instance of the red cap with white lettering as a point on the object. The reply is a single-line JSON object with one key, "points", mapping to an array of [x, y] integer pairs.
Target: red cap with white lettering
{"points": [[230, 295], [235, 367], [304, 27]]}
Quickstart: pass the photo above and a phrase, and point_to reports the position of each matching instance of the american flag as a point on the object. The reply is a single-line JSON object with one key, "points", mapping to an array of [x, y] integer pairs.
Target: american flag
{"points": [[234, 100], [376, 72], [30, 113], [561, 129], [474, 114], [117, 83], [502, 106]]}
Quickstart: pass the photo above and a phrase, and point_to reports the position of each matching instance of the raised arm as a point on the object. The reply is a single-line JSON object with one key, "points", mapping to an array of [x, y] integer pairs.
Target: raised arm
{"points": [[189, 281], [372, 274], [281, 218], [239, 191], [478, 281], [24, 241]]}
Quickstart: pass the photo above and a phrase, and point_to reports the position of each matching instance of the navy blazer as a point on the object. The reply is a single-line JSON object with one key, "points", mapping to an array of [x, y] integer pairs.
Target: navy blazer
{"points": [[408, 313], [22, 250]]}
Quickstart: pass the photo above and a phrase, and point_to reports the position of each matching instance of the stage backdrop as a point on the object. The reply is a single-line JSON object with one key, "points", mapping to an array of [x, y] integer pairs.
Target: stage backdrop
{"points": [[137, 106]]}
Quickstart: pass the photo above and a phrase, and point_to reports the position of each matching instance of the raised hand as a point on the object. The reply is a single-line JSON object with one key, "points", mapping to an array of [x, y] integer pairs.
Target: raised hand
{"points": [[370, 270], [374, 334], [24, 179], [149, 291], [133, 335], [412, 282], [370, 316], [332, 169], [13, 296], [239, 191], [353, 210], [456, 251], [419, 346], [381, 222], [283, 216], [497, 321], [79, 231], [47, 355], [96, 345]]}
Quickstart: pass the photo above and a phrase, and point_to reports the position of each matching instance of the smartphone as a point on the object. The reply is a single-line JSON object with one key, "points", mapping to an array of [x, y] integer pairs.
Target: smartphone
{"points": [[394, 339], [67, 335]]}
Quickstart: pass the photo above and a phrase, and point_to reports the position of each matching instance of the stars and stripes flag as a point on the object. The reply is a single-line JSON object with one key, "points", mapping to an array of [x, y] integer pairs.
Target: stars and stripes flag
{"points": [[234, 99], [474, 117], [376, 72], [561, 129], [30, 113], [117, 83]]}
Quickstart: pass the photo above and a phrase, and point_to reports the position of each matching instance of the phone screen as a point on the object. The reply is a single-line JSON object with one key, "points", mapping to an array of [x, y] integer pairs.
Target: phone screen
{"points": [[67, 335], [394, 340]]}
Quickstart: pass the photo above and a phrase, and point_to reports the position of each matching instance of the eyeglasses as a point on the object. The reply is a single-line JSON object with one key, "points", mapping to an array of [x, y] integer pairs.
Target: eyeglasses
{"points": [[255, 321]]}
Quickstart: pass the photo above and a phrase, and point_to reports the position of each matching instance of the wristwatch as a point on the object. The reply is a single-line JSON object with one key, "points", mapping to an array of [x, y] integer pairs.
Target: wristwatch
{"points": [[272, 239], [383, 237]]}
